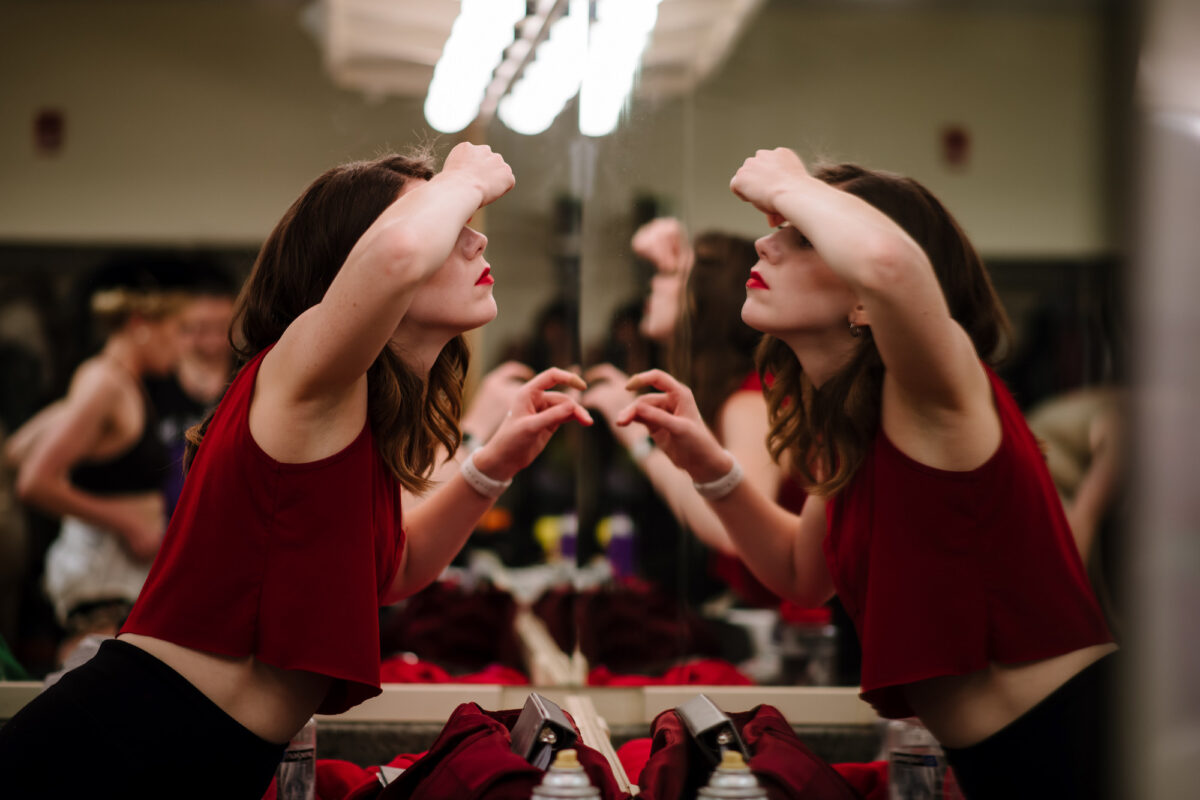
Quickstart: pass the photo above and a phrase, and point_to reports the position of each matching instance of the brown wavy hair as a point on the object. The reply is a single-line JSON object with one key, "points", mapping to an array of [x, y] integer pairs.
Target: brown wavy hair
{"points": [[828, 431], [410, 416], [713, 349]]}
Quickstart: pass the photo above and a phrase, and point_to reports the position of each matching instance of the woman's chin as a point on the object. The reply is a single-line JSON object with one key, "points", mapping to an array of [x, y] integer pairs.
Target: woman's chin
{"points": [[755, 320]]}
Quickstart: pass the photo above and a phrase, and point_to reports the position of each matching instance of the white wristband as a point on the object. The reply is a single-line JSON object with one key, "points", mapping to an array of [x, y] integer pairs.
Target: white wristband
{"points": [[488, 487], [715, 490], [641, 448]]}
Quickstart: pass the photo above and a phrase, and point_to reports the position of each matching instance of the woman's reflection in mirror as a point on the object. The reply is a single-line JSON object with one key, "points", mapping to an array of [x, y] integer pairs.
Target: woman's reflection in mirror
{"points": [[930, 510]]}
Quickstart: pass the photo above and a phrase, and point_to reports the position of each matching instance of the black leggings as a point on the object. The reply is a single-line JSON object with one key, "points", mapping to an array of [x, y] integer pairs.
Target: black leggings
{"points": [[1057, 749], [125, 725]]}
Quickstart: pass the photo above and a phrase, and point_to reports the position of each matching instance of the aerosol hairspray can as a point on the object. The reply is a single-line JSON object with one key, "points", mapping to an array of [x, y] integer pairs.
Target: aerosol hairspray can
{"points": [[566, 780], [732, 780], [296, 775]]}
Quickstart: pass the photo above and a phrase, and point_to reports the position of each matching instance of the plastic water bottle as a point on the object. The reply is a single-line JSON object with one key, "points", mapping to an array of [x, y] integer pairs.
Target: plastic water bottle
{"points": [[296, 775], [732, 780], [807, 646], [917, 768], [565, 780]]}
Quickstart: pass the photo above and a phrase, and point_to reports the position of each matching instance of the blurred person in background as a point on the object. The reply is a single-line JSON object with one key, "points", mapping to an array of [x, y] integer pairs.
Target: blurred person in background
{"points": [[1083, 433], [95, 459], [185, 396]]}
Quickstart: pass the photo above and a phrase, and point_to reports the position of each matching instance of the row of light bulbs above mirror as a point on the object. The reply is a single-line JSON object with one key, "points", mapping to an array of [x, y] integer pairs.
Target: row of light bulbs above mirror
{"points": [[522, 61]]}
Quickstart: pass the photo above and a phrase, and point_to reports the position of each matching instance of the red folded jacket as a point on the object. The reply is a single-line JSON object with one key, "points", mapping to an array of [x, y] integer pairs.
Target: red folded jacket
{"points": [[702, 672], [407, 669], [784, 766], [472, 759]]}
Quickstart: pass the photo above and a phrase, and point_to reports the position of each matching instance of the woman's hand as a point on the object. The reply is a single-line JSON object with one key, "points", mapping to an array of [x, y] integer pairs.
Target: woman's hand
{"points": [[482, 168], [494, 398], [607, 394], [675, 424], [664, 243], [535, 414], [764, 176]]}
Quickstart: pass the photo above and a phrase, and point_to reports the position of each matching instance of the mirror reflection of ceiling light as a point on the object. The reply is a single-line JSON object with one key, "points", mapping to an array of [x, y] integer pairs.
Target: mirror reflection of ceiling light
{"points": [[482, 32], [593, 51], [618, 38], [466, 58], [552, 78]]}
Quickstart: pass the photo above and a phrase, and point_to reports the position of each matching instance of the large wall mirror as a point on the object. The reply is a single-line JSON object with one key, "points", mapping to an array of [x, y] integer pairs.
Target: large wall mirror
{"points": [[1011, 113], [185, 129]]}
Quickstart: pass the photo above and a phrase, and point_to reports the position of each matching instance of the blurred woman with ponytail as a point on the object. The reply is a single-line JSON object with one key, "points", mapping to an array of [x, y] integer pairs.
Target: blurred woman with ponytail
{"points": [[95, 459]]}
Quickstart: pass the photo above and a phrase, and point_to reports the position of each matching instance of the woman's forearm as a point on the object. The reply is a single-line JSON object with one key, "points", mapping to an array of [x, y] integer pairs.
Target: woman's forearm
{"points": [[57, 496], [676, 489], [435, 531], [859, 242], [782, 549]]}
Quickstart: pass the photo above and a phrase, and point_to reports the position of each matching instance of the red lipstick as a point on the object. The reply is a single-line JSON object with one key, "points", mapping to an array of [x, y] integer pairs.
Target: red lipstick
{"points": [[756, 281], [486, 278]]}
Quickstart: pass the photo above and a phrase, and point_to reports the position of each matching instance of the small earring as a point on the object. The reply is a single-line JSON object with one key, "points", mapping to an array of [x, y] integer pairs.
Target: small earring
{"points": [[855, 331]]}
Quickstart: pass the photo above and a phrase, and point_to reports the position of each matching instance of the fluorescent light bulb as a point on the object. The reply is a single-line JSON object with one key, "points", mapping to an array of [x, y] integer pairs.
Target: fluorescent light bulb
{"points": [[482, 31]]}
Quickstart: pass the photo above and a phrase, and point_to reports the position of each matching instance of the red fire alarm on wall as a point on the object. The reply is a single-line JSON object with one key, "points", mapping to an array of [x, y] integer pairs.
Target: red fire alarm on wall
{"points": [[49, 131], [956, 146]]}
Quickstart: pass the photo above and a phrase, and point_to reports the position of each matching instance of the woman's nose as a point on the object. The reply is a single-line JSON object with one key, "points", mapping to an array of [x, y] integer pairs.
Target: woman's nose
{"points": [[475, 243], [764, 247]]}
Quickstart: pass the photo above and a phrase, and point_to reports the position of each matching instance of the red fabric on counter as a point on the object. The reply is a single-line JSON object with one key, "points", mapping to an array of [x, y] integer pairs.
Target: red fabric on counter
{"points": [[402, 669], [703, 672], [784, 766], [869, 779], [627, 626], [633, 756], [472, 760], [463, 629]]}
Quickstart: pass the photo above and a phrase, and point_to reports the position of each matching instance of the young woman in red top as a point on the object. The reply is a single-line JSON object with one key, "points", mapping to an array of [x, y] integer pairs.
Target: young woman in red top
{"points": [[931, 513], [262, 605]]}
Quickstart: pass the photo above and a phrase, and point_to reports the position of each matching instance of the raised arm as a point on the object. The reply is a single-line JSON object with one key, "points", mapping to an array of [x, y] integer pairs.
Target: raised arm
{"points": [[64, 437], [783, 550], [324, 354], [21, 442], [929, 357]]}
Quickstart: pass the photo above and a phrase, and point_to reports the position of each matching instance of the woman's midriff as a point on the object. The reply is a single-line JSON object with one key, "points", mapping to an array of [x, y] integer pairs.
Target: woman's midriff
{"points": [[272, 703], [962, 710]]}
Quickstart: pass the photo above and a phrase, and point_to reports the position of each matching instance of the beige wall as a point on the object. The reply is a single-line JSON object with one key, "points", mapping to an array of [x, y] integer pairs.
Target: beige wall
{"points": [[197, 123]]}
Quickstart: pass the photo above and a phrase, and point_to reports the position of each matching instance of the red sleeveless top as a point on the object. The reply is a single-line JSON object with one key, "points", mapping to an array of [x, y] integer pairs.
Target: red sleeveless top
{"points": [[285, 562], [944, 572]]}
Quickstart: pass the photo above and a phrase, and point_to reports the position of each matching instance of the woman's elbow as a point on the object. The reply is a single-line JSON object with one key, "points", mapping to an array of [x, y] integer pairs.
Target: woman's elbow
{"points": [[30, 487], [888, 262], [395, 256]]}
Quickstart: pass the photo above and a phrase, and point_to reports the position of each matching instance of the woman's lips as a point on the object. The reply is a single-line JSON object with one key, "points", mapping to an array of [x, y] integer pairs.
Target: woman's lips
{"points": [[756, 281], [486, 278]]}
